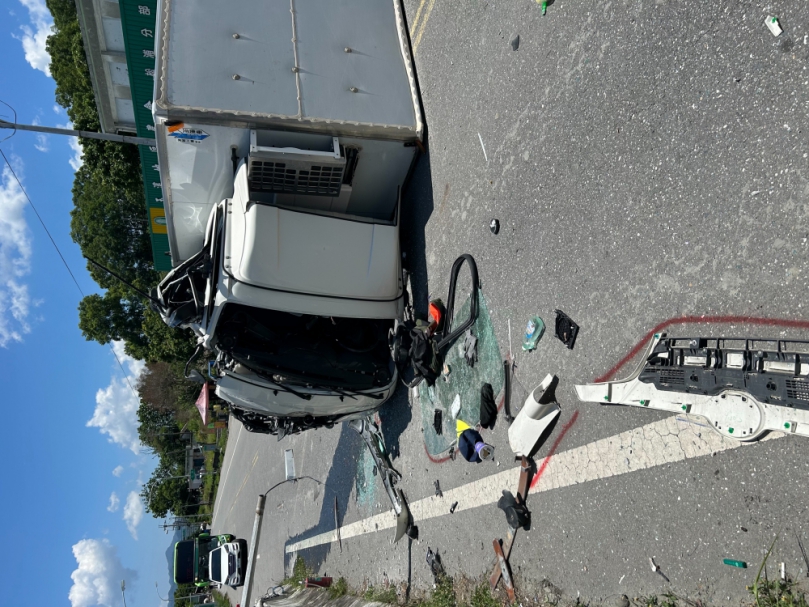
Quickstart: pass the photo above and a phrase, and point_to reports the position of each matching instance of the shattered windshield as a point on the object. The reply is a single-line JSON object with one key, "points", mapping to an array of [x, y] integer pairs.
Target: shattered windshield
{"points": [[307, 350]]}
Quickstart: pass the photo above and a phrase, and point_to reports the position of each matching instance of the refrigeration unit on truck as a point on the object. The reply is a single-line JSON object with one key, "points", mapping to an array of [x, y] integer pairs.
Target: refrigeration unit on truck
{"points": [[285, 133]]}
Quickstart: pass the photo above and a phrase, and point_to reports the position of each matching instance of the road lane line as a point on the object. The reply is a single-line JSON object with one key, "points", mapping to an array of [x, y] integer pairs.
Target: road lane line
{"points": [[423, 25], [244, 482], [416, 20], [666, 441]]}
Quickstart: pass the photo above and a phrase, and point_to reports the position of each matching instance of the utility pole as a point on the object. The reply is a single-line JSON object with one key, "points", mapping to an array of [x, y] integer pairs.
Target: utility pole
{"points": [[86, 134]]}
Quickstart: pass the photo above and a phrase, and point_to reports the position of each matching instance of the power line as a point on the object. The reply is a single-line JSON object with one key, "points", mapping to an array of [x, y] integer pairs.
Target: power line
{"points": [[64, 261]]}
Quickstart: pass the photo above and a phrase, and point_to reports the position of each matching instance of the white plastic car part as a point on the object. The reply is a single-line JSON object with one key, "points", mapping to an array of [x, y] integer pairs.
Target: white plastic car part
{"points": [[732, 412], [533, 419]]}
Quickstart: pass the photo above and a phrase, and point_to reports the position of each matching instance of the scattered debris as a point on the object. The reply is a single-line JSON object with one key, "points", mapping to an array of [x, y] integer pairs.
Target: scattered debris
{"points": [[773, 25], [735, 563], [533, 333], [783, 569], [317, 582], [533, 419], [337, 525], [517, 513], [445, 372], [494, 226], [452, 508], [438, 492], [522, 494], [455, 408], [438, 422], [470, 348], [488, 408], [504, 570], [734, 402], [483, 147], [566, 329], [743, 529], [507, 391], [435, 564], [515, 42], [656, 569]]}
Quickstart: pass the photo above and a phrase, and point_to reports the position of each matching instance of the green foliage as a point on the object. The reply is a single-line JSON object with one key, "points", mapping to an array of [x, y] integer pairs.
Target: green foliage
{"points": [[380, 595], [443, 595], [299, 573], [482, 597], [184, 590], [338, 588], [220, 599], [163, 493], [776, 592]]}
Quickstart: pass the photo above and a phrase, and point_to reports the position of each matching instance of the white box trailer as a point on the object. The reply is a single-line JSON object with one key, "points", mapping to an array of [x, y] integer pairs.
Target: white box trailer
{"points": [[285, 133]]}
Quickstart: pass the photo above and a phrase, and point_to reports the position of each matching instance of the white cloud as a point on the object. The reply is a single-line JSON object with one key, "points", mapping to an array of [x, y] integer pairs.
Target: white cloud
{"points": [[78, 153], [36, 34], [115, 502], [15, 258], [57, 109], [133, 513], [42, 144], [97, 579], [117, 404], [118, 470]]}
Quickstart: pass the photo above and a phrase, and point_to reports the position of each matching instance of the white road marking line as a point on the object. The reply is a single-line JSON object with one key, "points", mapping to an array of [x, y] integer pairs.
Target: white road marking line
{"points": [[669, 440]]}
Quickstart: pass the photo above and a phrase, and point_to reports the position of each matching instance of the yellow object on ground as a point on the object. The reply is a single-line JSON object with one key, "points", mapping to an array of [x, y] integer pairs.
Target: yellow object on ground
{"points": [[460, 426]]}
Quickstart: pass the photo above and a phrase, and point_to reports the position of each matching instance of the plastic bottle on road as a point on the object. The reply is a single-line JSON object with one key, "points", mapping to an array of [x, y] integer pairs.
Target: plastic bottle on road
{"points": [[533, 332]]}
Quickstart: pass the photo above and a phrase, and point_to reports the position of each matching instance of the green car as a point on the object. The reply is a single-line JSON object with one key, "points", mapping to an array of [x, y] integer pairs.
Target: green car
{"points": [[191, 558]]}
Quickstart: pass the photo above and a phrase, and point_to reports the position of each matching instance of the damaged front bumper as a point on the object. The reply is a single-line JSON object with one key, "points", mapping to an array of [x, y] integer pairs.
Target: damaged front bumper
{"points": [[742, 387]]}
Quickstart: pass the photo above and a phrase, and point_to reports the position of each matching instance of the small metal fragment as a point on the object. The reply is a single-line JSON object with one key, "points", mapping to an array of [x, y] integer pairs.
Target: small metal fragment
{"points": [[236, 77], [354, 89], [452, 508], [438, 492]]}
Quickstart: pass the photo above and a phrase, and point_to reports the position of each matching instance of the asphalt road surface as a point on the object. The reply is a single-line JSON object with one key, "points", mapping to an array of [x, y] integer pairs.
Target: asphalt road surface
{"points": [[648, 166]]}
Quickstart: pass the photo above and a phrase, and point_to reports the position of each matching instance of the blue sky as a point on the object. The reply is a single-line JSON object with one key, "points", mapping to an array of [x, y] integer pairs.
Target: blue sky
{"points": [[72, 464]]}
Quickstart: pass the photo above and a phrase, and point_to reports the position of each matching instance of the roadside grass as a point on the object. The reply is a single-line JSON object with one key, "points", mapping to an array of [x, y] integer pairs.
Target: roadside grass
{"points": [[482, 597], [338, 589], [380, 595], [299, 573], [219, 599]]}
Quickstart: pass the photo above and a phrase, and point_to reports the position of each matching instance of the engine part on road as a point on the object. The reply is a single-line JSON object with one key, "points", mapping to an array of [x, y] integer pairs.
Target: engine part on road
{"points": [[742, 387]]}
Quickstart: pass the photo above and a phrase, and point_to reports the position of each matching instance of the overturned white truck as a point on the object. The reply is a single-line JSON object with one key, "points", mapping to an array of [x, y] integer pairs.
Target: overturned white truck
{"points": [[285, 133]]}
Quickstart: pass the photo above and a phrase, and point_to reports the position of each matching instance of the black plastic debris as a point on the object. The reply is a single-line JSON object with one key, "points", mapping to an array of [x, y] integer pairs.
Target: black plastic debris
{"points": [[566, 329], [515, 42], [438, 492], [488, 408], [452, 508], [438, 422], [494, 226], [435, 564], [517, 513]]}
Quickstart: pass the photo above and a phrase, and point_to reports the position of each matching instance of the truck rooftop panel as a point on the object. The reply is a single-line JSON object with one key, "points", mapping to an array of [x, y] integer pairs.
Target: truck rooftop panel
{"points": [[343, 66]]}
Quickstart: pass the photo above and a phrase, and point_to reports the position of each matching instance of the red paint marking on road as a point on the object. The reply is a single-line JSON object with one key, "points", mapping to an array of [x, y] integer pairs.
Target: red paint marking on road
{"points": [[547, 460], [738, 319], [433, 459]]}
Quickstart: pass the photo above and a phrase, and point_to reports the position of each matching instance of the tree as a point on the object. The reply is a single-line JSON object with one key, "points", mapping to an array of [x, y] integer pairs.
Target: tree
{"points": [[163, 493]]}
